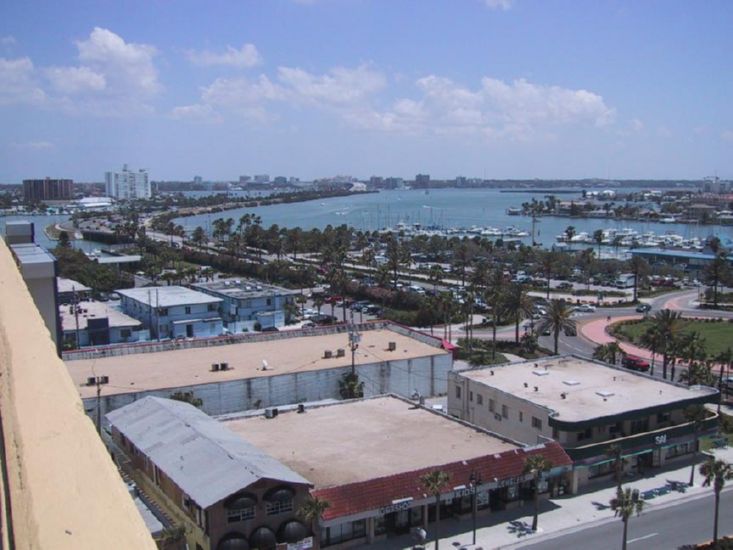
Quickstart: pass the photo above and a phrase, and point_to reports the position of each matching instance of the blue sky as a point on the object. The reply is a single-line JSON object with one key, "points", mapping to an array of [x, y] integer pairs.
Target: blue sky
{"points": [[314, 88]]}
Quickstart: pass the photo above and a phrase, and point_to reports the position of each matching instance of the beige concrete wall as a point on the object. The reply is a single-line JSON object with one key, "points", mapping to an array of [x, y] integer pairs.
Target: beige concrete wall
{"points": [[64, 489], [474, 405]]}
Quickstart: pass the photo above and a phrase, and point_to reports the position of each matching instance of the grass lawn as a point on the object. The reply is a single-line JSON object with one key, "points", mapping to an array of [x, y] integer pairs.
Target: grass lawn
{"points": [[718, 336]]}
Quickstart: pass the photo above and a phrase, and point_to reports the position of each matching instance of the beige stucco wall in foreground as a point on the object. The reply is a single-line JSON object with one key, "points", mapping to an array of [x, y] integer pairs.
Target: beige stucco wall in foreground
{"points": [[64, 488]]}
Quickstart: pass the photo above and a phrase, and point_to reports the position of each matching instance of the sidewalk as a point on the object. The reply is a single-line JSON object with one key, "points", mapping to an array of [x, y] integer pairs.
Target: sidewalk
{"points": [[512, 528]]}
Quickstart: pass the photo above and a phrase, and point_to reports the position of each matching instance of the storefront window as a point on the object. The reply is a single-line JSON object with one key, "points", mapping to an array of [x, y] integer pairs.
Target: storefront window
{"points": [[677, 450], [380, 527]]}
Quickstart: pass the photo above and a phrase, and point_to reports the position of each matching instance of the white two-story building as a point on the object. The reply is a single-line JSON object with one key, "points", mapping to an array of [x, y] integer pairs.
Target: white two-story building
{"points": [[173, 311]]}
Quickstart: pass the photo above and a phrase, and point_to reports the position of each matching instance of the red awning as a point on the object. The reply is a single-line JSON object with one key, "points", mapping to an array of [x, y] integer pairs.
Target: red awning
{"points": [[446, 345]]}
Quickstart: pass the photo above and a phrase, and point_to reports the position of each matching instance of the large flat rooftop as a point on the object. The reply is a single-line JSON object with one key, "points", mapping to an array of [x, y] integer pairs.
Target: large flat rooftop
{"points": [[243, 288], [284, 355], [360, 440], [168, 296], [591, 389], [94, 310]]}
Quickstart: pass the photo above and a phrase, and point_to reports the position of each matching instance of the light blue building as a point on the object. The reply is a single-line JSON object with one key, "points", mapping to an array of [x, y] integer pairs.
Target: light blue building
{"points": [[173, 311], [248, 304]]}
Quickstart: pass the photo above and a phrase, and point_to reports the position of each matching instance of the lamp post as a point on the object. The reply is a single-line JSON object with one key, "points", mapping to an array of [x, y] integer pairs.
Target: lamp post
{"points": [[474, 481]]}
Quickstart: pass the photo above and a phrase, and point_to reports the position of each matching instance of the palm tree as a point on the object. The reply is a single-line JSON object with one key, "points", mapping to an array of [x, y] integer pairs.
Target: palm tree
{"points": [[667, 324], [433, 483], [312, 511], [598, 238], [557, 318], [608, 352], [494, 298], [716, 272], [695, 414], [638, 266], [517, 305], [651, 340], [548, 261], [716, 473], [616, 451], [627, 503], [536, 465]]}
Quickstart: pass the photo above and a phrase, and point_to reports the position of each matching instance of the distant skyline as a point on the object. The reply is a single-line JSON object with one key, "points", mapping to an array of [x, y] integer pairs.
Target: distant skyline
{"points": [[496, 89]]}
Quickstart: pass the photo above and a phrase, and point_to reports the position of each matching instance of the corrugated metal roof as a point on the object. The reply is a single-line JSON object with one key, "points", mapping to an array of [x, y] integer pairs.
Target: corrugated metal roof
{"points": [[205, 459]]}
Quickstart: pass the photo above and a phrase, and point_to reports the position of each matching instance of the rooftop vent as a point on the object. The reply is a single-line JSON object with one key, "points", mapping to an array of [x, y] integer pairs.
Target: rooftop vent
{"points": [[301, 408], [265, 366], [570, 382], [271, 412], [341, 352], [223, 366], [536, 388], [327, 354], [391, 346], [526, 385], [215, 367], [604, 393], [564, 395], [540, 372]]}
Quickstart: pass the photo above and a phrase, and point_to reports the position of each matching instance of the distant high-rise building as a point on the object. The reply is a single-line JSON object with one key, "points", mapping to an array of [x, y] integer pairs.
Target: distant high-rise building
{"points": [[244, 179], [198, 180], [128, 185], [48, 190], [262, 178], [422, 178], [280, 180]]}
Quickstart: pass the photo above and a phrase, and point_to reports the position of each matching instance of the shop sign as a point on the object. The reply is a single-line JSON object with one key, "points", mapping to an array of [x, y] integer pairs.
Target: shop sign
{"points": [[396, 506], [305, 544], [660, 439]]}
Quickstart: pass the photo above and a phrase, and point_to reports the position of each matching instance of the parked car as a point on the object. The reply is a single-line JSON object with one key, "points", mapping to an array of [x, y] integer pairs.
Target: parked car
{"points": [[633, 362], [643, 308], [324, 319], [565, 286], [585, 308]]}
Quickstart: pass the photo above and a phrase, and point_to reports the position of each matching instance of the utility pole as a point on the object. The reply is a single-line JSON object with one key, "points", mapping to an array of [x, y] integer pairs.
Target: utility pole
{"points": [[474, 481], [99, 381], [354, 339], [75, 305]]}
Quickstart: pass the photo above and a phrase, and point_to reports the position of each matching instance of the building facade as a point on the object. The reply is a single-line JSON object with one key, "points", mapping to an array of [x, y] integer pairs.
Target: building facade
{"points": [[266, 370], [248, 305], [91, 323], [585, 406], [227, 493], [128, 185], [173, 311], [48, 189]]}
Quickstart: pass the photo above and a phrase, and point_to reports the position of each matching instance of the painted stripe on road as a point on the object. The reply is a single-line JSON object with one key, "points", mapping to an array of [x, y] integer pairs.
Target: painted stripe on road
{"points": [[637, 539]]}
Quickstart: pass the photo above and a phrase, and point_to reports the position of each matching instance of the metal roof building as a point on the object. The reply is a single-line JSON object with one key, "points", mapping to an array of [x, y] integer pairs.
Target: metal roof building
{"points": [[205, 459]]}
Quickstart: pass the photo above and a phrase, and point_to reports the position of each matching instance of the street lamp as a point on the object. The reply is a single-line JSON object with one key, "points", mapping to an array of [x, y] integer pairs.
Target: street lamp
{"points": [[474, 481]]}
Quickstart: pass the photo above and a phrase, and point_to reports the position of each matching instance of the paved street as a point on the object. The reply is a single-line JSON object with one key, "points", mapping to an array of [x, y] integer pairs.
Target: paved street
{"points": [[686, 522]]}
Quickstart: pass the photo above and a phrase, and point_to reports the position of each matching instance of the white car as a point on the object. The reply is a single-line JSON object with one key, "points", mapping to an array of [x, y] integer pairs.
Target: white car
{"points": [[585, 308]]}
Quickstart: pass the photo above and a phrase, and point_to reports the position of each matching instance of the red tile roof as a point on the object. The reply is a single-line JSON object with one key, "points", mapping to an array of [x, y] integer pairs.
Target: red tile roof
{"points": [[353, 498]]}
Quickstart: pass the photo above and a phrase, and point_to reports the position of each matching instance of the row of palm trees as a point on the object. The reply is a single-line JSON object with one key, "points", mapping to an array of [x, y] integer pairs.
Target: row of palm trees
{"points": [[627, 502], [665, 337]]}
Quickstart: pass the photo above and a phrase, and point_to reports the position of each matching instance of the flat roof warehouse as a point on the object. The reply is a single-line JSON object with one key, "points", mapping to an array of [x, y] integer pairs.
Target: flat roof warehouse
{"points": [[578, 389], [283, 352]]}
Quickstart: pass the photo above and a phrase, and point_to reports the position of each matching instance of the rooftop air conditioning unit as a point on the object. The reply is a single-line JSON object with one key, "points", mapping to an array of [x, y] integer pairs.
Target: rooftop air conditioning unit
{"points": [[215, 367], [392, 346], [341, 352], [91, 381], [271, 413], [224, 366], [327, 354]]}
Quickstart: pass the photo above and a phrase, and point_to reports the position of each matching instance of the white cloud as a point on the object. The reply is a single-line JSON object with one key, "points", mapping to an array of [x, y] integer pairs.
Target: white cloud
{"points": [[516, 110], [337, 87], [727, 135], [34, 146], [246, 56], [636, 125], [499, 4], [7, 40], [196, 112], [18, 82], [127, 67], [72, 80]]}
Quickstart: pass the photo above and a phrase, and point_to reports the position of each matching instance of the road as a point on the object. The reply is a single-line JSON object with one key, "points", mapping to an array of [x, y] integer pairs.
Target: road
{"points": [[668, 527]]}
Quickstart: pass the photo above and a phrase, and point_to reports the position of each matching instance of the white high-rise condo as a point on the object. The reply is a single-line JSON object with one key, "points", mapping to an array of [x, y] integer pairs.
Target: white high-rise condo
{"points": [[128, 185]]}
